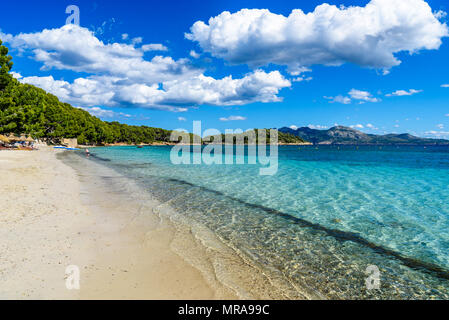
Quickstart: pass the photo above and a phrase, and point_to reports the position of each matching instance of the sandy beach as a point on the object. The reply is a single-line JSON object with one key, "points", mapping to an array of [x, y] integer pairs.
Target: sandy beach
{"points": [[47, 225]]}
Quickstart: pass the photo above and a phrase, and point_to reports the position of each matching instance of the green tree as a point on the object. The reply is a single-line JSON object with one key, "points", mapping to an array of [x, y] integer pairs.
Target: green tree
{"points": [[5, 67]]}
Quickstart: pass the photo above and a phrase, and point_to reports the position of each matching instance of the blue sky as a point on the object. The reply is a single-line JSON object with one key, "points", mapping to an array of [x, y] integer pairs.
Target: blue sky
{"points": [[342, 80]]}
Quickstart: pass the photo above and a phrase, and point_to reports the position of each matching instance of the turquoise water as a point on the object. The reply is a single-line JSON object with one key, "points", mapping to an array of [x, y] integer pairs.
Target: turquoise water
{"points": [[323, 218]]}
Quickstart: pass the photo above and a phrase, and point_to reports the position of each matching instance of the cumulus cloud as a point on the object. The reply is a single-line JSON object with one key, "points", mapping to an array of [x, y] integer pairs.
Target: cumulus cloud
{"points": [[182, 119], [15, 75], [399, 93], [257, 86], [445, 86], [233, 118], [354, 94], [317, 126], [302, 78], [175, 95], [368, 36], [293, 127], [77, 49], [194, 54], [154, 47], [118, 74], [137, 40], [358, 126], [339, 99], [81, 92], [362, 95]]}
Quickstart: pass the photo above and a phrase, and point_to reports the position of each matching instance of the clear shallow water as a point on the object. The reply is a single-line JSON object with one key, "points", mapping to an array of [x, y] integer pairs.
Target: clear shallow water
{"points": [[324, 217]]}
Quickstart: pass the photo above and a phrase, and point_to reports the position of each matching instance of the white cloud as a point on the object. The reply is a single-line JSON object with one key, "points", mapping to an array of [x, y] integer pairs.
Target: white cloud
{"points": [[445, 86], [104, 113], [317, 126], [440, 126], [15, 75], [339, 99], [118, 74], [354, 94], [358, 126], [302, 78], [440, 14], [137, 40], [293, 127], [368, 36], [174, 95], [362, 95], [399, 93], [77, 49], [182, 119], [194, 54], [371, 126], [257, 86], [437, 134], [125, 36], [233, 118], [81, 92], [154, 47]]}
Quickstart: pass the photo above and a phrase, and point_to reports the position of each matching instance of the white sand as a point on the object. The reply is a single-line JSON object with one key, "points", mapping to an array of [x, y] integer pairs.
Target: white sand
{"points": [[45, 227]]}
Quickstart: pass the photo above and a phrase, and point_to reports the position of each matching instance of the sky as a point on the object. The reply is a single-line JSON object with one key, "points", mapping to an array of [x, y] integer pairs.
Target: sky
{"points": [[379, 66]]}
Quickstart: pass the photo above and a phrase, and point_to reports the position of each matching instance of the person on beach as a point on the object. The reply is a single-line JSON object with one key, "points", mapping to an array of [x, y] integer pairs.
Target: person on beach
{"points": [[87, 153]]}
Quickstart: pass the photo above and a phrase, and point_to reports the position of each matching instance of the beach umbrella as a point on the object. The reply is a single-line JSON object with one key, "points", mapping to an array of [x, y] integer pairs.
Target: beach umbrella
{"points": [[4, 139], [13, 138], [29, 139]]}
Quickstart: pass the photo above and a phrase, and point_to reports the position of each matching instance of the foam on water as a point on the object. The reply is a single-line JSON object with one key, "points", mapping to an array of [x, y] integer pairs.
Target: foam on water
{"points": [[316, 225]]}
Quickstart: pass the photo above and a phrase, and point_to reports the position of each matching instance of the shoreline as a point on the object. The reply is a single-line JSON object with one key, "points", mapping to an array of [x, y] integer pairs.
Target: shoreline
{"points": [[49, 222], [63, 209], [227, 272]]}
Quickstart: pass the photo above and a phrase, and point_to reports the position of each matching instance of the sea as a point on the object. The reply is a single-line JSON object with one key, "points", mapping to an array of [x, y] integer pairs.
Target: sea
{"points": [[333, 222]]}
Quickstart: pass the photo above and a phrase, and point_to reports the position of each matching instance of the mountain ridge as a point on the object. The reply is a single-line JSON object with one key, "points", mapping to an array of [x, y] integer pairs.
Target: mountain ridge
{"points": [[349, 136]]}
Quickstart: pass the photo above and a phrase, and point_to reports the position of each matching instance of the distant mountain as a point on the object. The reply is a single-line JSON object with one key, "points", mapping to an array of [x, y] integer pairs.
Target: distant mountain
{"points": [[349, 136]]}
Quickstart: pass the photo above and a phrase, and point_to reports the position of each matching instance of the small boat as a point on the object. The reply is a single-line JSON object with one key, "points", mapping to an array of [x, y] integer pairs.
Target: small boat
{"points": [[139, 147]]}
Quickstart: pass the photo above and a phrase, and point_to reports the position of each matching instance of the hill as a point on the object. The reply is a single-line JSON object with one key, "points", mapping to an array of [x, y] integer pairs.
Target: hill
{"points": [[349, 136], [283, 138]]}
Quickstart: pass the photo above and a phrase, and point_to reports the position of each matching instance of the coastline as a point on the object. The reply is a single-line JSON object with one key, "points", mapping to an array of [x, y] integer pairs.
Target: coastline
{"points": [[126, 244], [138, 238], [46, 225]]}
